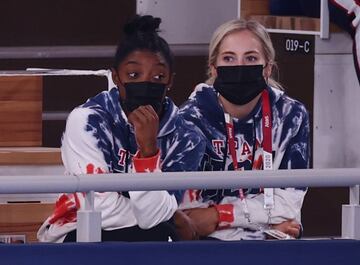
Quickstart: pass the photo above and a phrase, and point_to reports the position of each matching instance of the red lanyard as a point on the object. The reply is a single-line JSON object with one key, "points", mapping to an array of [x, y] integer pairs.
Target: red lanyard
{"points": [[267, 134], [266, 126], [267, 153], [267, 150], [231, 135]]}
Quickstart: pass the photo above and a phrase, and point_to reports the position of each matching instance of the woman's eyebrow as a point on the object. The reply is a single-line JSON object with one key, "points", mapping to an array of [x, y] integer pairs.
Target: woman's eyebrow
{"points": [[161, 64], [252, 51], [132, 62], [228, 52]]}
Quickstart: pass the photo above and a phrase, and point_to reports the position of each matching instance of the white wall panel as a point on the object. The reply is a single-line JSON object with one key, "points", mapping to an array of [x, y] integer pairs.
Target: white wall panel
{"points": [[189, 21], [336, 106]]}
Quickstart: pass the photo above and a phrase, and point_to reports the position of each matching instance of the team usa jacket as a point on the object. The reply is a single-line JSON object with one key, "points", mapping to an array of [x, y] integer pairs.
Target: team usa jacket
{"points": [[98, 139], [290, 145]]}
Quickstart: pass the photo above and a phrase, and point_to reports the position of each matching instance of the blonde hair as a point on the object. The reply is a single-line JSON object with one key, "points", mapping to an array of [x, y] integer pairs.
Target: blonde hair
{"points": [[237, 25]]}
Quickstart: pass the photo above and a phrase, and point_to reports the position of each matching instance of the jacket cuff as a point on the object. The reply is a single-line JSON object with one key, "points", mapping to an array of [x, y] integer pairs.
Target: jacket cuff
{"points": [[146, 164], [226, 215]]}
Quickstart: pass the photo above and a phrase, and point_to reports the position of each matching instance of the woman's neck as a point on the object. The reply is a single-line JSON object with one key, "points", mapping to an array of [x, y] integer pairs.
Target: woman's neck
{"points": [[238, 111]]}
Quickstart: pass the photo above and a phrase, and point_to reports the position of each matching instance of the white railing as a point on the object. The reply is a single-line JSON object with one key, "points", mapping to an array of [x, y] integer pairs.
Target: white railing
{"points": [[58, 115], [44, 52], [180, 180], [89, 221]]}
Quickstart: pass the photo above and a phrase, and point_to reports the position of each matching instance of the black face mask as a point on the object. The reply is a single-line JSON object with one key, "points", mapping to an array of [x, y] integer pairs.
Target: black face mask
{"points": [[143, 93], [241, 83]]}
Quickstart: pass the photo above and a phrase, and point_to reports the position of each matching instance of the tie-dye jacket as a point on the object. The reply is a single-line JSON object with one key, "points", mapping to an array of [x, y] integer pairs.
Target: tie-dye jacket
{"points": [[99, 139], [290, 143]]}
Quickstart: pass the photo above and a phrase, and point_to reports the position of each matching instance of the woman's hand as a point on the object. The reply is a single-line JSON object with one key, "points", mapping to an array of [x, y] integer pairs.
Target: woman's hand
{"points": [[205, 219], [290, 227], [146, 126], [185, 227]]}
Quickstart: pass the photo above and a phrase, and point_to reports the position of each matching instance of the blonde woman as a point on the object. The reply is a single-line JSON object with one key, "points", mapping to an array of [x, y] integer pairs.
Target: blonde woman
{"points": [[250, 124]]}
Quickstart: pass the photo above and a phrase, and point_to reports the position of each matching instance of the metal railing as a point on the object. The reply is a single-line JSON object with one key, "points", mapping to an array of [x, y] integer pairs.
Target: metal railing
{"points": [[89, 221], [58, 115], [87, 51]]}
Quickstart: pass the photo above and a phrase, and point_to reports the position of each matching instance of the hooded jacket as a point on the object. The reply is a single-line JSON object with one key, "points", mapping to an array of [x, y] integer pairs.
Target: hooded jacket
{"points": [[99, 139], [290, 146]]}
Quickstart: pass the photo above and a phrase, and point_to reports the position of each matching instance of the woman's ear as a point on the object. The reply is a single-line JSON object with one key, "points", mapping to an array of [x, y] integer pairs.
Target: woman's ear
{"points": [[268, 70], [171, 82], [115, 77], [117, 82], [213, 71]]}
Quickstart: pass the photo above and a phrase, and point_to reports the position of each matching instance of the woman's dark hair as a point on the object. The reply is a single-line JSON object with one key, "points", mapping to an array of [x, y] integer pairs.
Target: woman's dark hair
{"points": [[141, 33]]}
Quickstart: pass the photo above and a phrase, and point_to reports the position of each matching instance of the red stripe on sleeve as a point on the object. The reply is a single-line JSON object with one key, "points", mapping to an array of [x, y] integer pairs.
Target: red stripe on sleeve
{"points": [[146, 164], [226, 215]]}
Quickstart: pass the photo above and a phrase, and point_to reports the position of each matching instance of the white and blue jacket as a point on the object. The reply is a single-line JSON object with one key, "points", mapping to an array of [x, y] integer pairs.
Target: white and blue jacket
{"points": [[99, 139], [290, 145]]}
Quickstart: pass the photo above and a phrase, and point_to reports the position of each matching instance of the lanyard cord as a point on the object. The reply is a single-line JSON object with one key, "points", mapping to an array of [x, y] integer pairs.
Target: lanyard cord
{"points": [[267, 135], [267, 152], [253, 148], [225, 151], [254, 144]]}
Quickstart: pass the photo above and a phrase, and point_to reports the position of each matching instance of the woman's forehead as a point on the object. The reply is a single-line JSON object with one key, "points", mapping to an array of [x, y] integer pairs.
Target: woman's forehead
{"points": [[141, 56], [240, 41]]}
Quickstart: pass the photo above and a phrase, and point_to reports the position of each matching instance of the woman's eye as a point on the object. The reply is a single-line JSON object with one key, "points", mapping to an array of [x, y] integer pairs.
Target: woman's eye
{"points": [[133, 75], [159, 77], [251, 59], [228, 59]]}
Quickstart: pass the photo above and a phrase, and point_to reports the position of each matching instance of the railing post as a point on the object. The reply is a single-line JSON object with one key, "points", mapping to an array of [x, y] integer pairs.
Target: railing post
{"points": [[350, 223], [88, 221]]}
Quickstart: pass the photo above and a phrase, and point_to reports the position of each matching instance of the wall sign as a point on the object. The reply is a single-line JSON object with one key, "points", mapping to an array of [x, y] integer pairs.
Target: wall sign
{"points": [[298, 45]]}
